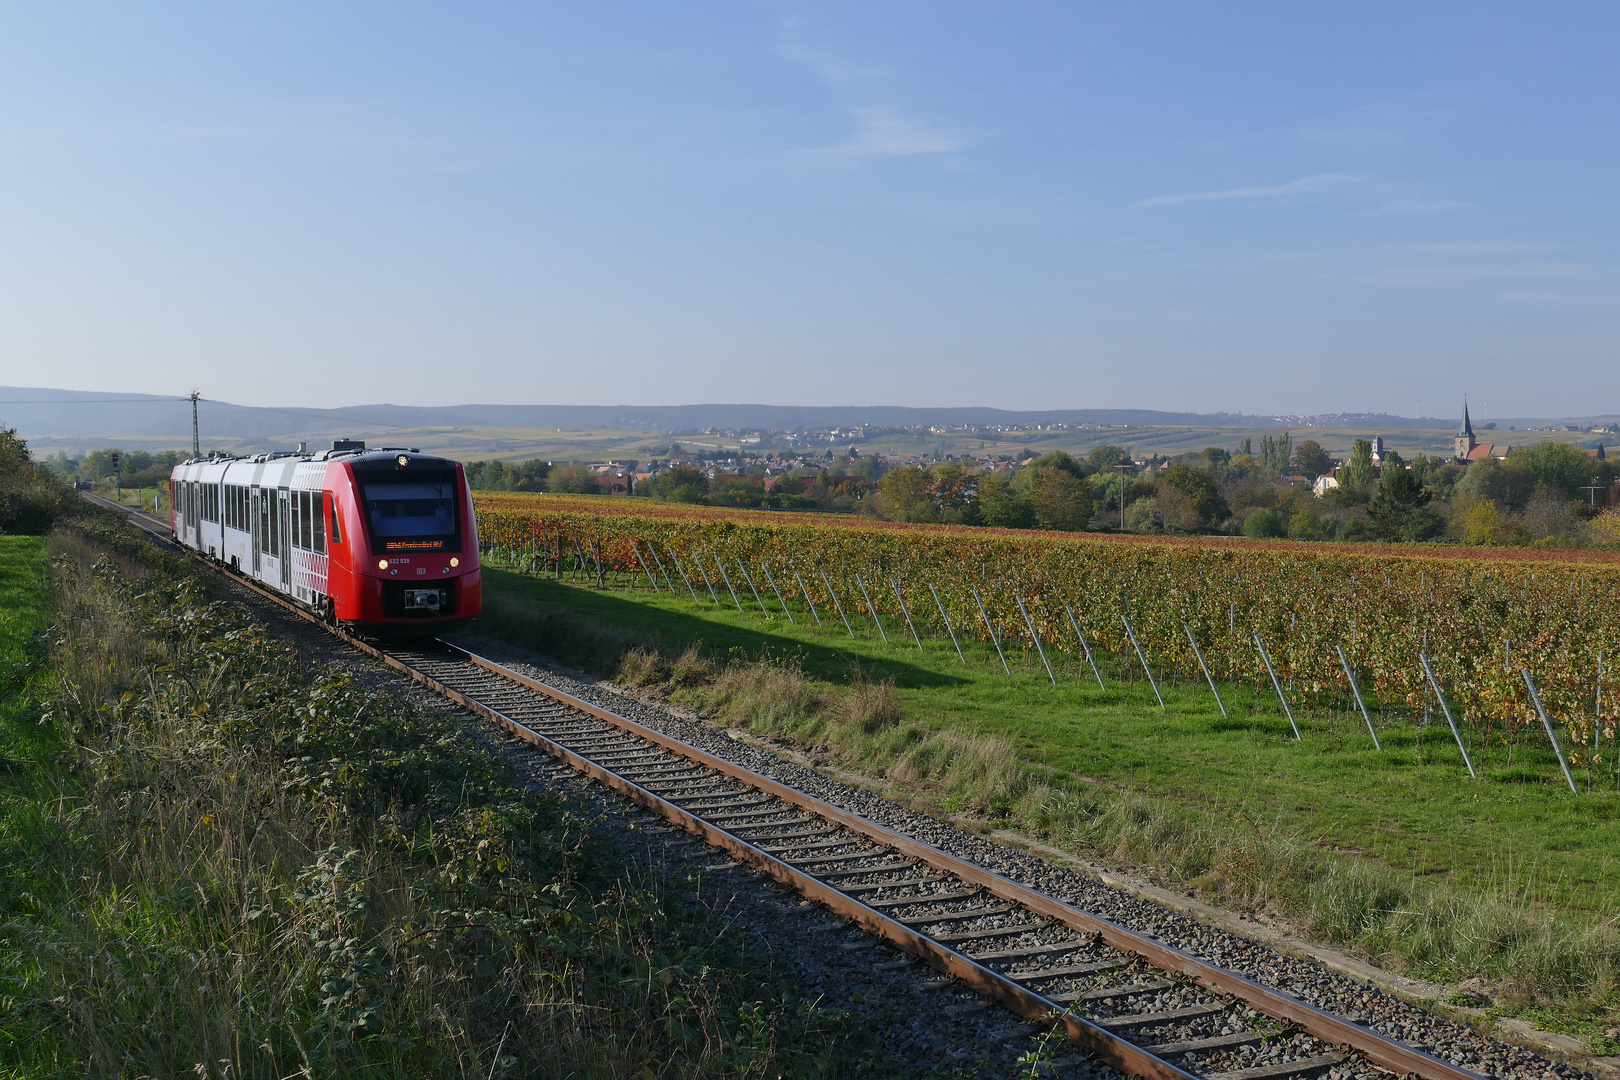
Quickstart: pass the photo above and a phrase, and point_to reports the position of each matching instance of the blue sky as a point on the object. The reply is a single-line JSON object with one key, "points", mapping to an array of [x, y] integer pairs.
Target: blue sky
{"points": [[1248, 206]]}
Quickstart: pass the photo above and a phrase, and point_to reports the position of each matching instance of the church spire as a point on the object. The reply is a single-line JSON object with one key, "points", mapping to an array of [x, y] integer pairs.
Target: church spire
{"points": [[1466, 443]]}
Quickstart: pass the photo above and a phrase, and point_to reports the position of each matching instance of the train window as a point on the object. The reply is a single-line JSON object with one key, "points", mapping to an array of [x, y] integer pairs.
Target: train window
{"points": [[318, 520], [337, 530], [306, 528], [411, 511]]}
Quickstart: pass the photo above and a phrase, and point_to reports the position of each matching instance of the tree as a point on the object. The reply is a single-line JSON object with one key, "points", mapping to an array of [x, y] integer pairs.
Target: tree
{"points": [[1310, 460], [905, 495], [1060, 500], [955, 492], [1307, 524], [678, 484], [1276, 453], [1399, 509], [31, 498], [1356, 474], [1561, 466], [1264, 523], [1215, 461], [1057, 459], [1208, 508], [1508, 484], [1605, 528], [574, 479], [1003, 507], [1482, 523], [1177, 511], [1105, 457], [1142, 515]]}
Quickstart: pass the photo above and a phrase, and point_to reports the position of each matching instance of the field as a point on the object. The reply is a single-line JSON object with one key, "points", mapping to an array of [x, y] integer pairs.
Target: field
{"points": [[1394, 851], [1408, 625]]}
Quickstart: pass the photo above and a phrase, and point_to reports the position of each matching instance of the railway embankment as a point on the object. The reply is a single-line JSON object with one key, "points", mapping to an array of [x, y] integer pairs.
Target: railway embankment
{"points": [[227, 856]]}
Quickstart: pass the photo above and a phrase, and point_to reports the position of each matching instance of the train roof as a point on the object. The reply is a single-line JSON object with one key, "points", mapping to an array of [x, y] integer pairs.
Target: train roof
{"points": [[342, 450]]}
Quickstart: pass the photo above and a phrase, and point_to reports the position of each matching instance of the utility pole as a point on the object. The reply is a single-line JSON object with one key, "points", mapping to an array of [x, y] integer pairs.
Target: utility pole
{"points": [[196, 446], [1592, 489]]}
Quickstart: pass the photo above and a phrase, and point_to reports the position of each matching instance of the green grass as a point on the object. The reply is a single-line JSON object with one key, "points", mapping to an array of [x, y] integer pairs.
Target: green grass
{"points": [[1396, 852], [27, 748]]}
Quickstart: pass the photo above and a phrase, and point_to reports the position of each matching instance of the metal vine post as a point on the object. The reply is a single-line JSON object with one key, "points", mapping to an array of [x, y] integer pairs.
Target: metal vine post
{"points": [[644, 567], [1199, 653], [1445, 707], [907, 613], [947, 619], [727, 579], [1084, 646], [1130, 632], [681, 570], [872, 609], [1356, 691], [1276, 684], [837, 604], [994, 640], [750, 579], [1035, 637], [772, 581], [1552, 736], [807, 599]]}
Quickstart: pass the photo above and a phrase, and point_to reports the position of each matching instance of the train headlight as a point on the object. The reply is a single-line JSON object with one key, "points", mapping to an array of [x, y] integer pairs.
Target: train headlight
{"points": [[403, 460], [455, 562], [382, 564]]}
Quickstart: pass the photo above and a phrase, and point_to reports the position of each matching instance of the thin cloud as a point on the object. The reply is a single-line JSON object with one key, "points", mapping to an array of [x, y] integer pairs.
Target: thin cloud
{"points": [[1416, 205], [1419, 277], [885, 131], [1301, 186], [1484, 247]]}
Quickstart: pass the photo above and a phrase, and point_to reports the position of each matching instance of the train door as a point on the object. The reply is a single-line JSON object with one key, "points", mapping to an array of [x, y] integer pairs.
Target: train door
{"points": [[256, 523], [284, 549]]}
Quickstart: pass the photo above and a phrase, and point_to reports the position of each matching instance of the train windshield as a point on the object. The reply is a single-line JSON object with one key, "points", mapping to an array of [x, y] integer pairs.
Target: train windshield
{"points": [[411, 511]]}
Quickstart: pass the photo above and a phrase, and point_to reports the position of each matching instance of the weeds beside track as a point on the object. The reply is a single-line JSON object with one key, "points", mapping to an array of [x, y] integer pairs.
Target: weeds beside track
{"points": [[226, 861]]}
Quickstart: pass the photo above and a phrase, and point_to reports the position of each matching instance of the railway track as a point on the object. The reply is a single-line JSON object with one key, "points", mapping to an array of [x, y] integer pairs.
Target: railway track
{"points": [[1141, 1006]]}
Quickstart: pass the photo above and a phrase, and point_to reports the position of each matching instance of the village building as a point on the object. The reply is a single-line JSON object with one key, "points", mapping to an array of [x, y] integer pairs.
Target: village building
{"points": [[1469, 449]]}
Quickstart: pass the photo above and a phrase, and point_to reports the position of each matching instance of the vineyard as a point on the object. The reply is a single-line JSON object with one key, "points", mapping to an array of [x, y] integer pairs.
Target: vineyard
{"points": [[1479, 641]]}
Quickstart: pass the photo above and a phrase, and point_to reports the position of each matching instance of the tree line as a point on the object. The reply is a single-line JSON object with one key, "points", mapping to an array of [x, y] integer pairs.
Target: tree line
{"points": [[1548, 493]]}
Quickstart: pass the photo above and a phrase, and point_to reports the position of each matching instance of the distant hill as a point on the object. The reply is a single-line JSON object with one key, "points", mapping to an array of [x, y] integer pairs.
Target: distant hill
{"points": [[107, 418]]}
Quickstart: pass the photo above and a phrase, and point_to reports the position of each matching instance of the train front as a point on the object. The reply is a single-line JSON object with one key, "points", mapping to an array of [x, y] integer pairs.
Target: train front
{"points": [[412, 560]]}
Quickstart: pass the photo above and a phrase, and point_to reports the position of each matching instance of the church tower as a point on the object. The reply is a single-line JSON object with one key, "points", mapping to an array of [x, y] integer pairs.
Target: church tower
{"points": [[1465, 435]]}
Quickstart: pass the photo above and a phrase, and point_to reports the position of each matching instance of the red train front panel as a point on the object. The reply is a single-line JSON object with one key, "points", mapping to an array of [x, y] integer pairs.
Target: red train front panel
{"points": [[404, 546]]}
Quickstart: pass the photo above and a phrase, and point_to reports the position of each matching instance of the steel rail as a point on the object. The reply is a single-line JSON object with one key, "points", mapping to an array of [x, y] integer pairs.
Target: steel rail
{"points": [[933, 949]]}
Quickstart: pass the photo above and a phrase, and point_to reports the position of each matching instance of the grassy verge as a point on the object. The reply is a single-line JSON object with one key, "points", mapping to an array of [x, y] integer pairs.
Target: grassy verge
{"points": [[220, 859], [1393, 853]]}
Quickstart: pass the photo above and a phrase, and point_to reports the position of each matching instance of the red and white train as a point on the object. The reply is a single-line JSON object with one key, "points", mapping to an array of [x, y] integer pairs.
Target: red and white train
{"points": [[379, 540]]}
